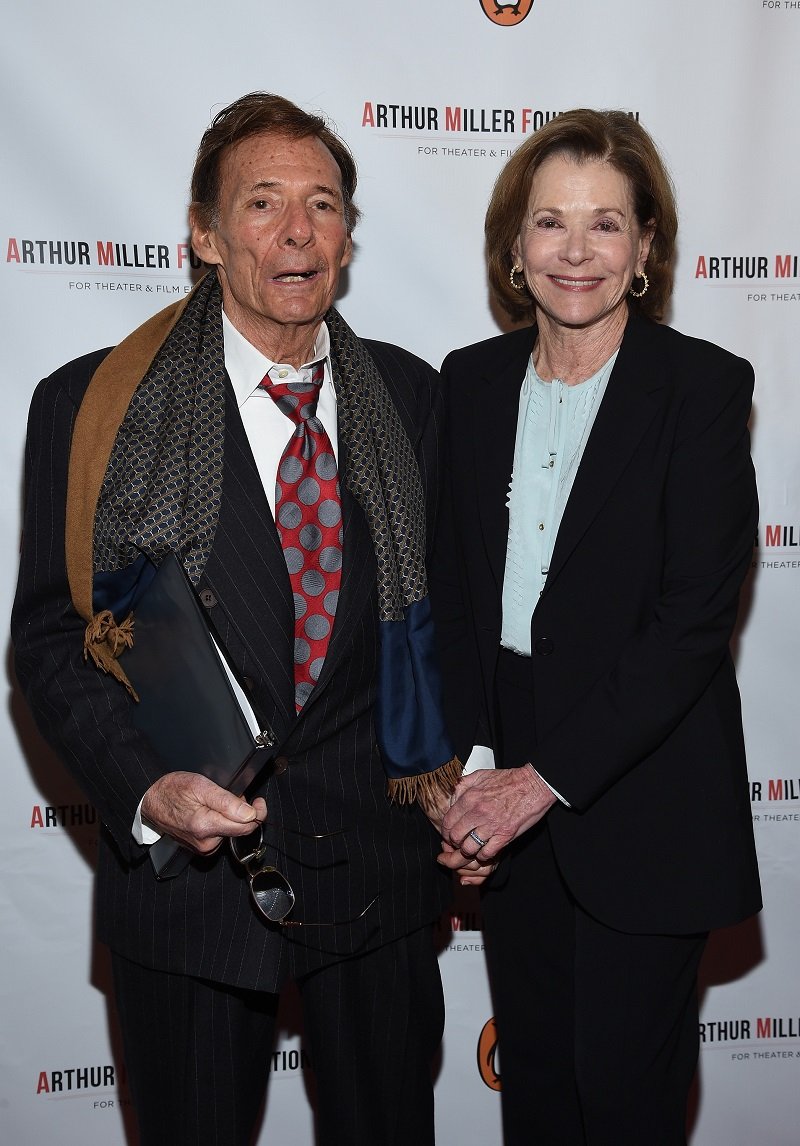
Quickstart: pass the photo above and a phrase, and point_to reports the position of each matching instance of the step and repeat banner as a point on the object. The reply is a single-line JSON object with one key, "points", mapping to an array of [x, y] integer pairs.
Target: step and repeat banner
{"points": [[103, 110]]}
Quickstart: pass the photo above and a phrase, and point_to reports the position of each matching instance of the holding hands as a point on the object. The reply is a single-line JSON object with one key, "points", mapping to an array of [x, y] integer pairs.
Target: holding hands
{"points": [[488, 810]]}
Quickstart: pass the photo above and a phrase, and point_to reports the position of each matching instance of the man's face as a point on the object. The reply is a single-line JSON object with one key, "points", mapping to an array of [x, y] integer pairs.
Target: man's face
{"points": [[279, 242]]}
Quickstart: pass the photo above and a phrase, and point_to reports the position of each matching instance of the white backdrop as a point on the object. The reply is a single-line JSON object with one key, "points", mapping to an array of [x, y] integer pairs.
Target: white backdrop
{"points": [[103, 108]]}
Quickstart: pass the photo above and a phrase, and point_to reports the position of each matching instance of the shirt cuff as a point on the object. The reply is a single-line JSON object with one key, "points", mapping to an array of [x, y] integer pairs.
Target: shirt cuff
{"points": [[479, 757], [141, 830]]}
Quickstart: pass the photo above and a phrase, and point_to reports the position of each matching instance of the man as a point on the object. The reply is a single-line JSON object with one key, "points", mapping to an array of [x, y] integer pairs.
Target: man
{"points": [[175, 447]]}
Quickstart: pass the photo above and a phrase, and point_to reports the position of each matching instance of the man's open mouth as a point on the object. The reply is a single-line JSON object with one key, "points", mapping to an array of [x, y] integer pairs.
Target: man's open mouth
{"points": [[295, 276]]}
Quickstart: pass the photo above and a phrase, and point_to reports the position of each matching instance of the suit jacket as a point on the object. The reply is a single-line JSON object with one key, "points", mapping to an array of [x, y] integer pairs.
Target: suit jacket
{"points": [[634, 709], [327, 775]]}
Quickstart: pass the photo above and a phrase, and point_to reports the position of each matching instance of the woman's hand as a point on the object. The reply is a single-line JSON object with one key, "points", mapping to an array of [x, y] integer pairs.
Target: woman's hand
{"points": [[490, 809]]}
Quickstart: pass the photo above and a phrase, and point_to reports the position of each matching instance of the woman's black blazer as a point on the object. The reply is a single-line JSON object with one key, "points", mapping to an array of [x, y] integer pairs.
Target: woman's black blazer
{"points": [[635, 715]]}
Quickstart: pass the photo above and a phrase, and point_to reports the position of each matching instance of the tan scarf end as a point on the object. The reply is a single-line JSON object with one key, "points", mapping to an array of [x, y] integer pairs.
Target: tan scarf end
{"points": [[426, 787], [104, 640]]}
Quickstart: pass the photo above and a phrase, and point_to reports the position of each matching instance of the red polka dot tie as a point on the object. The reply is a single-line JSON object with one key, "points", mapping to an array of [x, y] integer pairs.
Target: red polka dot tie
{"points": [[308, 515]]}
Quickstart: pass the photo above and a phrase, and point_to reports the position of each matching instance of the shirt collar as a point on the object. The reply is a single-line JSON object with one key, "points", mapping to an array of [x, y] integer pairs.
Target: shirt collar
{"points": [[247, 366]]}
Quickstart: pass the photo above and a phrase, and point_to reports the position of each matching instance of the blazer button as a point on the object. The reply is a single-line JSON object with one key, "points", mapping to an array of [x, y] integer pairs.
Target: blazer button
{"points": [[280, 765], [544, 647], [248, 683], [208, 598]]}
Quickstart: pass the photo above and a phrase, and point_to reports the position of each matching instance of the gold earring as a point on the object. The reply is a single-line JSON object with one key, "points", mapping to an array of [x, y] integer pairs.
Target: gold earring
{"points": [[640, 293], [515, 270]]}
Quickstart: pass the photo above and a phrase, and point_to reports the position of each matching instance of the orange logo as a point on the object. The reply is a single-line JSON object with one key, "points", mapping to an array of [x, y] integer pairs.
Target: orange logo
{"points": [[487, 1055], [506, 13]]}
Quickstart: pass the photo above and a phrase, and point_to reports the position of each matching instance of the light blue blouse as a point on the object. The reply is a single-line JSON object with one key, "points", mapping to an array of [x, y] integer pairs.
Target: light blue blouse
{"points": [[553, 427]]}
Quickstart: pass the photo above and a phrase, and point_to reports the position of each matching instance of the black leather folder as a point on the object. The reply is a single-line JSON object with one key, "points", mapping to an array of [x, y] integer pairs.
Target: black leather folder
{"points": [[187, 707]]}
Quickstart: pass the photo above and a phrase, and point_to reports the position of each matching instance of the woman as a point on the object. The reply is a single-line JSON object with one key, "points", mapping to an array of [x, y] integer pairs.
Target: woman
{"points": [[601, 520]]}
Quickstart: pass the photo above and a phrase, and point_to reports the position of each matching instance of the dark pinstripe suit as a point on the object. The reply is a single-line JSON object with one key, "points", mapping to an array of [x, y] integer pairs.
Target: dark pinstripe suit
{"points": [[329, 774]]}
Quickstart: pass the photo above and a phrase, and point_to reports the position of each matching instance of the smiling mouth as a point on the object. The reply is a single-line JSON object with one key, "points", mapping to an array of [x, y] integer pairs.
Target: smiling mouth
{"points": [[574, 284]]}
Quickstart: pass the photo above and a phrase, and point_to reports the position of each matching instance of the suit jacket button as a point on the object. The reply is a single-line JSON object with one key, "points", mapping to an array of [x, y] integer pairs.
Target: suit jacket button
{"points": [[208, 598], [248, 683], [280, 765], [544, 647]]}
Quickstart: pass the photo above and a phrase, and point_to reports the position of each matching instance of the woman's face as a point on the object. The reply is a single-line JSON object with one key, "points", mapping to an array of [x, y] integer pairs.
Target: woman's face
{"points": [[580, 243]]}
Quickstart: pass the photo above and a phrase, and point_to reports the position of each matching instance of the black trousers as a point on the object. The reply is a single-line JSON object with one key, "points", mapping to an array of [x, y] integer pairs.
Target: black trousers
{"points": [[597, 1029], [197, 1052]]}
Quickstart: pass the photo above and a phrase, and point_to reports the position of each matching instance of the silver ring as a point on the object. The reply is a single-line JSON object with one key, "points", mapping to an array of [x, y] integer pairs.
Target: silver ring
{"points": [[481, 843]]}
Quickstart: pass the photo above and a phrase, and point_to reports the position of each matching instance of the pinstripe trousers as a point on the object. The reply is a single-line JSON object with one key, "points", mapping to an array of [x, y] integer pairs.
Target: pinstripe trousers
{"points": [[197, 1052]]}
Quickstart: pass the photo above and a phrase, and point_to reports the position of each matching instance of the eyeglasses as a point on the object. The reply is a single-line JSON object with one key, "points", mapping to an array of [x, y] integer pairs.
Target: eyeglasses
{"points": [[271, 891]]}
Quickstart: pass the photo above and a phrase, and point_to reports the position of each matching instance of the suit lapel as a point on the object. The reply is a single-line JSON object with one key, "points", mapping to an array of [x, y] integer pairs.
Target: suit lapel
{"points": [[248, 576], [247, 570], [629, 405]]}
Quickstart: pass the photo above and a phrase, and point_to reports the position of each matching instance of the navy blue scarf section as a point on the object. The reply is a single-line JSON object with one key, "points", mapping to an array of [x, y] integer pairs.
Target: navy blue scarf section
{"points": [[409, 708]]}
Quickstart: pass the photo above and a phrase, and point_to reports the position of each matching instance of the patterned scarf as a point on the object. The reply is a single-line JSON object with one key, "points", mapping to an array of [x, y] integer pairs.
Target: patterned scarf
{"points": [[146, 477]]}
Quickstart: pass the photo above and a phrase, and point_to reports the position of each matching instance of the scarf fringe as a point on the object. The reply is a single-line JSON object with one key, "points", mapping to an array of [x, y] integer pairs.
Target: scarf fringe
{"points": [[104, 640], [426, 786]]}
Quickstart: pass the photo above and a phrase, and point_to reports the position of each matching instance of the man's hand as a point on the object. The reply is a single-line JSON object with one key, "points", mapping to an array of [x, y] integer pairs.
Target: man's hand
{"points": [[497, 805], [193, 809], [434, 805]]}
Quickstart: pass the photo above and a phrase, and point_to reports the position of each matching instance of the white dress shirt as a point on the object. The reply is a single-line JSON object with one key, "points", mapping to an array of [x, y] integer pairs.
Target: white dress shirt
{"points": [[267, 429]]}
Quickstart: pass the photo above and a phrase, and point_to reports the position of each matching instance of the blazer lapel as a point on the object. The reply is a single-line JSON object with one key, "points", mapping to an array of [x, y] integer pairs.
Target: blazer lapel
{"points": [[494, 422], [629, 405]]}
